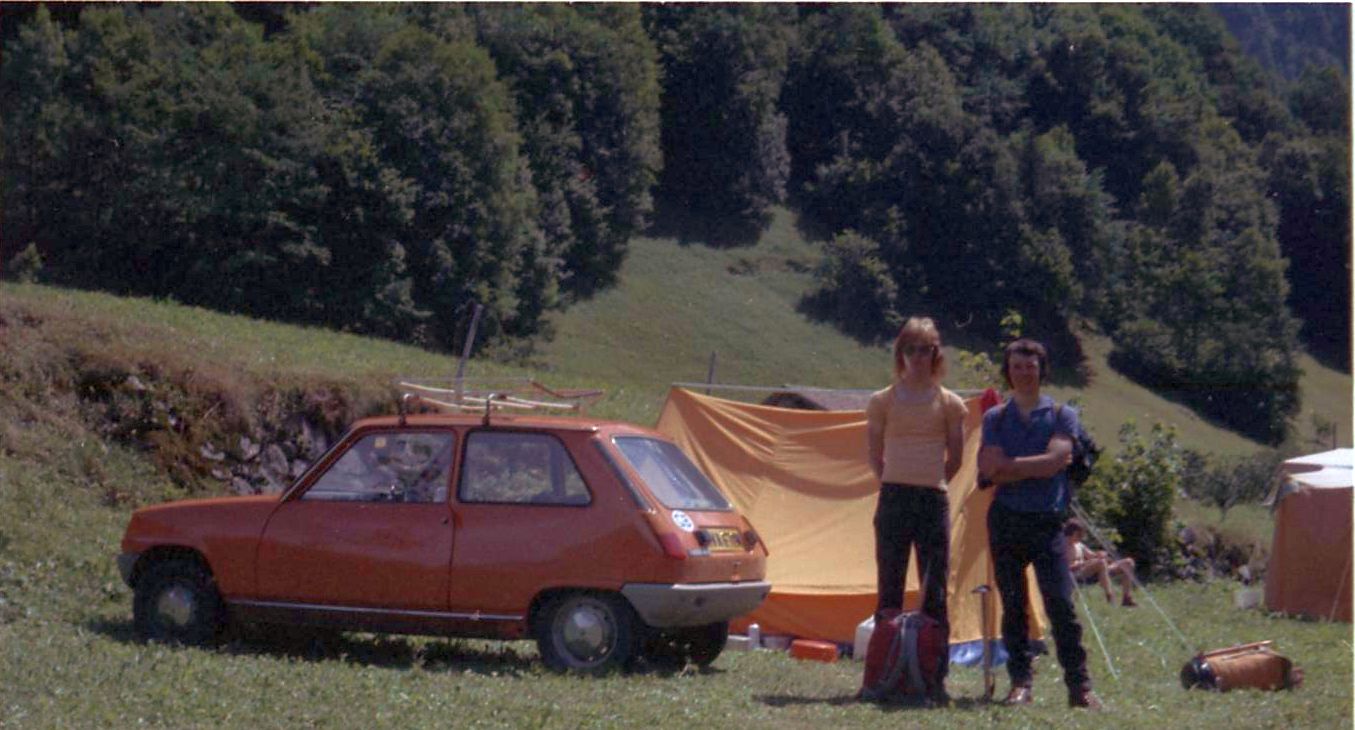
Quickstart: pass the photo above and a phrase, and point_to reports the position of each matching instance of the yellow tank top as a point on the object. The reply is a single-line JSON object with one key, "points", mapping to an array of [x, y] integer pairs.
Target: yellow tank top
{"points": [[913, 432]]}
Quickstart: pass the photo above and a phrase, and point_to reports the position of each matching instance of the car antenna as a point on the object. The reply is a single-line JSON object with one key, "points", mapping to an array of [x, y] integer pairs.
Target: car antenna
{"points": [[406, 401], [489, 407]]}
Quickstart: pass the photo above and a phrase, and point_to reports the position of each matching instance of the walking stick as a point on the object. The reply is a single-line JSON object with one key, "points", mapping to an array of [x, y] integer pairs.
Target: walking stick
{"points": [[988, 681]]}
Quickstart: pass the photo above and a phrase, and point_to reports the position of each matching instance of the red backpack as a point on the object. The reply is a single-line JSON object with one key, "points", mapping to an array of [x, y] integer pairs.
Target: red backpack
{"points": [[904, 657]]}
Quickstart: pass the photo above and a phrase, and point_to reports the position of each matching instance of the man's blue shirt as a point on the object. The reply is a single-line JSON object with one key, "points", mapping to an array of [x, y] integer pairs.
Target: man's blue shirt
{"points": [[1004, 427]]}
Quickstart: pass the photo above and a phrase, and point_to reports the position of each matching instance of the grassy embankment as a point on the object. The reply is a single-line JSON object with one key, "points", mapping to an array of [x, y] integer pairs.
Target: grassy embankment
{"points": [[67, 657]]}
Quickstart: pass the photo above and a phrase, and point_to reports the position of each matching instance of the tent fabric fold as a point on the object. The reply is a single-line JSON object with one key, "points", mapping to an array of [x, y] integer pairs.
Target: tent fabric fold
{"points": [[802, 479]]}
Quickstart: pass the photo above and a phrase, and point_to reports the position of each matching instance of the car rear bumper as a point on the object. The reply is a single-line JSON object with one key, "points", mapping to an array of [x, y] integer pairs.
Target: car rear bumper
{"points": [[693, 604], [126, 562]]}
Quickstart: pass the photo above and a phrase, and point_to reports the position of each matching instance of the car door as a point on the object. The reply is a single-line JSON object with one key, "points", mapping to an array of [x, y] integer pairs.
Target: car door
{"points": [[373, 530], [526, 520]]}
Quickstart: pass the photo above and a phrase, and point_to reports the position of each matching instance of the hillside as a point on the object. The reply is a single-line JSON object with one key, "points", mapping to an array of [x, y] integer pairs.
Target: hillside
{"points": [[675, 304], [69, 478]]}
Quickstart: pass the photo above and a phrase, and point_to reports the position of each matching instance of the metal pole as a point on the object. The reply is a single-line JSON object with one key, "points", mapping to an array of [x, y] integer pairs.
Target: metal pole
{"points": [[989, 683], [710, 371], [465, 351]]}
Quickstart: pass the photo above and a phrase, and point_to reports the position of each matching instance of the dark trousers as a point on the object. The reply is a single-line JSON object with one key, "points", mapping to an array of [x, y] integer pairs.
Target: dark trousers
{"points": [[1018, 539], [908, 516]]}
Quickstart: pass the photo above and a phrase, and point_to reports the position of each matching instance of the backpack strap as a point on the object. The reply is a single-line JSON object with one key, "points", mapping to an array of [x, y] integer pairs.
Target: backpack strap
{"points": [[895, 658], [912, 651], [1072, 435]]}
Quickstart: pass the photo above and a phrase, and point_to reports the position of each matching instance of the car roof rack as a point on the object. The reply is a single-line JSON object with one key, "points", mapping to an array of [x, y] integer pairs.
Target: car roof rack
{"points": [[489, 394]]}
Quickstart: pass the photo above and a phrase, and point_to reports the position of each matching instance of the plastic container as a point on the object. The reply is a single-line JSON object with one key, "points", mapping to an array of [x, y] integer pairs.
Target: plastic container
{"points": [[863, 633], [1246, 598], [735, 642], [818, 651], [754, 636]]}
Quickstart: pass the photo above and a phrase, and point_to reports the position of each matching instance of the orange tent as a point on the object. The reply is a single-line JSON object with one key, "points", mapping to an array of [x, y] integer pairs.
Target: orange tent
{"points": [[1310, 556], [802, 479]]}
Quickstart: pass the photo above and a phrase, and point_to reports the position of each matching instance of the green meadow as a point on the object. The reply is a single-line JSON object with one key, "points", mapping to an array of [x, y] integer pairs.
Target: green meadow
{"points": [[68, 657]]}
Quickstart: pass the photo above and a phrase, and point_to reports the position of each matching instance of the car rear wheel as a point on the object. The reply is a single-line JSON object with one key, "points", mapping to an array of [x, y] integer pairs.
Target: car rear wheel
{"points": [[700, 645], [587, 633], [704, 643], [176, 602]]}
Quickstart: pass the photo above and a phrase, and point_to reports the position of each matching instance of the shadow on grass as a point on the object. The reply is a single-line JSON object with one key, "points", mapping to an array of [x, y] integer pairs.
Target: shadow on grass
{"points": [[488, 658], [673, 220], [120, 631], [956, 703], [1217, 404], [666, 669], [320, 645]]}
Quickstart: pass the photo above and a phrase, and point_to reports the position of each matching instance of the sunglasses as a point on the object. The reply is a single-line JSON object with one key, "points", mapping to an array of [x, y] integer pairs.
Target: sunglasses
{"points": [[915, 350]]}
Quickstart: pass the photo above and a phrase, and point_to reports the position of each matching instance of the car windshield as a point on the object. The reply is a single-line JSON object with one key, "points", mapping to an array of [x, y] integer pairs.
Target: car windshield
{"points": [[670, 475]]}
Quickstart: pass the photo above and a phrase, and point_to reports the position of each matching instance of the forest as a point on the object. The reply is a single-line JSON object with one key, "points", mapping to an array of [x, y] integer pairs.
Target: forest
{"points": [[1174, 175]]}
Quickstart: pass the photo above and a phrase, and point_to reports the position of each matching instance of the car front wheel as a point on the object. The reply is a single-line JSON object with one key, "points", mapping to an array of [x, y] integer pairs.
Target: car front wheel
{"points": [[587, 633], [176, 602]]}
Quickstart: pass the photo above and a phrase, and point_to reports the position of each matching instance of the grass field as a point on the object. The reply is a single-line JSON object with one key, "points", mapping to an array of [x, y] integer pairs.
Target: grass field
{"points": [[68, 659]]}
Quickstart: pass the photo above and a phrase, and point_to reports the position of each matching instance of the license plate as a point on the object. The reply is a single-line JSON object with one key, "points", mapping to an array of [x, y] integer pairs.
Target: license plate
{"points": [[724, 540]]}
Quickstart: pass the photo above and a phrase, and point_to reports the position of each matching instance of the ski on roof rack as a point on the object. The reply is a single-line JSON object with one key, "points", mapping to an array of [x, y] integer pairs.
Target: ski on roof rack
{"points": [[487, 394]]}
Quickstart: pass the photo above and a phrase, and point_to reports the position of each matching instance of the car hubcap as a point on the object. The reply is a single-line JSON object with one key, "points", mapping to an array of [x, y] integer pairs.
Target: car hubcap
{"points": [[175, 606], [587, 632]]}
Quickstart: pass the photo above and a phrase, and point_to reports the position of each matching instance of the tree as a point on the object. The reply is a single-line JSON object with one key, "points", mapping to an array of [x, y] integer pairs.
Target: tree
{"points": [[1310, 181], [184, 144], [585, 83], [1203, 313], [426, 161], [443, 121], [724, 139], [1230, 481], [855, 290], [38, 126]]}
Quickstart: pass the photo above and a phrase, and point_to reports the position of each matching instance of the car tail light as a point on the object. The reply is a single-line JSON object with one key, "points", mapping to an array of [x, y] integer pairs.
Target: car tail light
{"points": [[672, 545], [670, 541], [751, 538]]}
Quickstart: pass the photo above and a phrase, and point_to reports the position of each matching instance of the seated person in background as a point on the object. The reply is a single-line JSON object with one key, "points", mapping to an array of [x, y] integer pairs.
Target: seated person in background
{"points": [[1087, 564]]}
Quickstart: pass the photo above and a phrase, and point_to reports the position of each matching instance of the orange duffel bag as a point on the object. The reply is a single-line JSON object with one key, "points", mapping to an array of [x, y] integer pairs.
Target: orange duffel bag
{"points": [[1249, 665]]}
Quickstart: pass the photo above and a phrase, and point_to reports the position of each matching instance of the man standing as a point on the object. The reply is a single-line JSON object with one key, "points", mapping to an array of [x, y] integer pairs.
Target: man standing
{"points": [[1027, 445]]}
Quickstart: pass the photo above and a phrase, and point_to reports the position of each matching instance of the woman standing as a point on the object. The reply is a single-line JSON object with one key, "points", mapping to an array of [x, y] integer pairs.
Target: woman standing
{"points": [[916, 438]]}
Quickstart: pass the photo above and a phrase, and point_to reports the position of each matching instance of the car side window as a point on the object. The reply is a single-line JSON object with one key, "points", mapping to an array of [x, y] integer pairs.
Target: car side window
{"points": [[520, 468], [389, 467]]}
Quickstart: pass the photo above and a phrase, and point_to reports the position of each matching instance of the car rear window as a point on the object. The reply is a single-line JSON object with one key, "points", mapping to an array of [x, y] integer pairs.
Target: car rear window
{"points": [[520, 468], [670, 475]]}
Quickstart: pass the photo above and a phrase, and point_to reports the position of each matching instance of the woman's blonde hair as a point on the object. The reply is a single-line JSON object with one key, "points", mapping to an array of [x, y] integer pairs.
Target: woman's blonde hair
{"points": [[919, 330]]}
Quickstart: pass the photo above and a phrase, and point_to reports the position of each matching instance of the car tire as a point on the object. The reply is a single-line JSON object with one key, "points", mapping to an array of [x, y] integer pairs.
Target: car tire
{"points": [[176, 602], [673, 648], [663, 649], [704, 643], [587, 633]]}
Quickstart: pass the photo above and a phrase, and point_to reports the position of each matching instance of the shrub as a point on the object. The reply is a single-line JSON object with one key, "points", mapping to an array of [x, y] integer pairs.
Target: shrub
{"points": [[1231, 481], [855, 289], [26, 265], [1132, 494]]}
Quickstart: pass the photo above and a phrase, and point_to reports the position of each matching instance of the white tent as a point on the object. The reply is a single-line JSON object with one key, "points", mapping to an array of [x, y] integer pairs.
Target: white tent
{"points": [[1310, 556]]}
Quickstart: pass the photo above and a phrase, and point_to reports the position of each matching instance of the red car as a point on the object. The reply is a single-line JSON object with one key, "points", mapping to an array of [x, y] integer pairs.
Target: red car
{"points": [[601, 540]]}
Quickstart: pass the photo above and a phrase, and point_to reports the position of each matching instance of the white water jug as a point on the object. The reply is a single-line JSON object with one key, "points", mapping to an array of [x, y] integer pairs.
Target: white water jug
{"points": [[863, 632]]}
